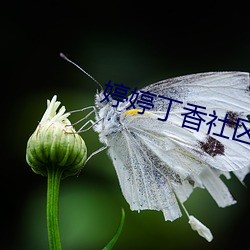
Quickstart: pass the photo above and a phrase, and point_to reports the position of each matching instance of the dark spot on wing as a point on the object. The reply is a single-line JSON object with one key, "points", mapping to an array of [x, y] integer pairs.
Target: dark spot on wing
{"points": [[190, 181], [212, 146], [232, 117]]}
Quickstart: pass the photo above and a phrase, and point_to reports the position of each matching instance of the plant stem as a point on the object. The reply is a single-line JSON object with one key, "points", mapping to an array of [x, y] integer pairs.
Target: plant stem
{"points": [[54, 177], [117, 234]]}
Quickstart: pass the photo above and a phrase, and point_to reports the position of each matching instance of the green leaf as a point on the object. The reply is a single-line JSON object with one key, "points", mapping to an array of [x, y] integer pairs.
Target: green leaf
{"points": [[117, 234], [248, 117]]}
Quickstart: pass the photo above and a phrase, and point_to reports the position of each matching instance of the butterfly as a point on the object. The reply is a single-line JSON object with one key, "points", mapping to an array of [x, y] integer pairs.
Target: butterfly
{"points": [[159, 161]]}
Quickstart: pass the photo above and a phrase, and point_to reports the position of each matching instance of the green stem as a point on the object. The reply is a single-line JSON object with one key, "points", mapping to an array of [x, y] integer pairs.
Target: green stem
{"points": [[54, 177]]}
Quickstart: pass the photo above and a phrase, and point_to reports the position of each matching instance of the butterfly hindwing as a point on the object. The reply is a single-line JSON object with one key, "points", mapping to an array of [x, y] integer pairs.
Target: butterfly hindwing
{"points": [[141, 181]]}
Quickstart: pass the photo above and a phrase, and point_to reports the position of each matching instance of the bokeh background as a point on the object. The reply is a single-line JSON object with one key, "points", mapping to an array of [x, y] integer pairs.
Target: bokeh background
{"points": [[134, 43]]}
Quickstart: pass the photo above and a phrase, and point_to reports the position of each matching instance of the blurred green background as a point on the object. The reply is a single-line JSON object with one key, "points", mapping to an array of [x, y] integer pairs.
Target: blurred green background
{"points": [[127, 42]]}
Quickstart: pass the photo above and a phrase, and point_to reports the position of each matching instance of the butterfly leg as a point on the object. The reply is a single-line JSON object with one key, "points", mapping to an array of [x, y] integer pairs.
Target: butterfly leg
{"points": [[91, 155], [96, 152], [86, 116], [81, 129]]}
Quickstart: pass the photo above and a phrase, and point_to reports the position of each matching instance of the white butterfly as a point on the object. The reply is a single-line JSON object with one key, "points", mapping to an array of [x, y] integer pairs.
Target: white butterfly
{"points": [[159, 163]]}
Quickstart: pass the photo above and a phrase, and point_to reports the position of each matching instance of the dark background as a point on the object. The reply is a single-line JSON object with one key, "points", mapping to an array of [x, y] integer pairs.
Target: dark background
{"points": [[134, 43]]}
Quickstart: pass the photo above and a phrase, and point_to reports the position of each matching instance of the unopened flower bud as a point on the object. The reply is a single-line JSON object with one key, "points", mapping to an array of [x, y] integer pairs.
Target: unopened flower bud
{"points": [[55, 143]]}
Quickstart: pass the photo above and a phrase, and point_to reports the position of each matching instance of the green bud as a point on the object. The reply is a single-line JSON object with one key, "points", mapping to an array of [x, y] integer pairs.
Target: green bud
{"points": [[55, 144]]}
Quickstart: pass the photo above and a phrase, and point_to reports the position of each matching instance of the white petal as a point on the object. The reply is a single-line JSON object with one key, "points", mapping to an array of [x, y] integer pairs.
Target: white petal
{"points": [[50, 109], [51, 114], [200, 228]]}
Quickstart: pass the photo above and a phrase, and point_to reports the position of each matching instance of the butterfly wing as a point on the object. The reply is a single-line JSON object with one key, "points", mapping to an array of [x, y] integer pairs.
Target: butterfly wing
{"points": [[141, 183], [153, 167], [219, 92], [214, 90], [158, 160]]}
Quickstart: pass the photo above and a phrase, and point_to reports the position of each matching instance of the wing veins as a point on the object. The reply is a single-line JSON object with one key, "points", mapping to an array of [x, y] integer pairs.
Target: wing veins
{"points": [[132, 153]]}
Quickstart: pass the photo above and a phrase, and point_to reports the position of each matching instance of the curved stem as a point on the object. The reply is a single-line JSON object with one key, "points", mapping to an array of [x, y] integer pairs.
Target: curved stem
{"points": [[117, 234], [54, 177]]}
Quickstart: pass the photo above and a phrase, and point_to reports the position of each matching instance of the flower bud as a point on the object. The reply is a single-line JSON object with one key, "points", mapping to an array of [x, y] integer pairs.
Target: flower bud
{"points": [[55, 144]]}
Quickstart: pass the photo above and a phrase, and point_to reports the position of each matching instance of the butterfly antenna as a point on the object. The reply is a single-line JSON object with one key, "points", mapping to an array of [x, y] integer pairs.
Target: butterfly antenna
{"points": [[68, 60]]}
